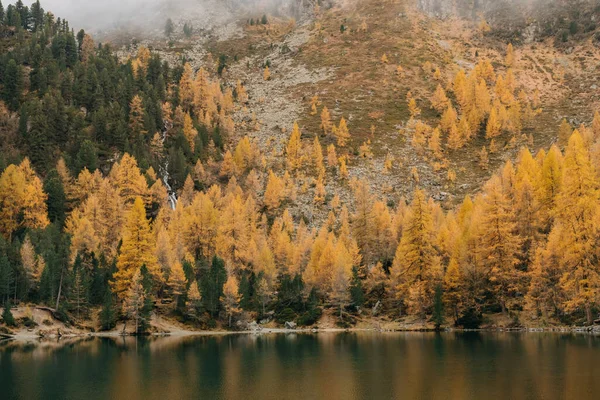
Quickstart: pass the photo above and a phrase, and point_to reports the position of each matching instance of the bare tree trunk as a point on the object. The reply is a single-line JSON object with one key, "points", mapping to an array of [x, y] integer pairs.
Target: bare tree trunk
{"points": [[588, 314], [59, 288]]}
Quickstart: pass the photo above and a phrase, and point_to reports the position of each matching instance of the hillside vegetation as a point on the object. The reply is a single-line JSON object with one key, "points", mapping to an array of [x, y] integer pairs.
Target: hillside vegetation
{"points": [[365, 162]]}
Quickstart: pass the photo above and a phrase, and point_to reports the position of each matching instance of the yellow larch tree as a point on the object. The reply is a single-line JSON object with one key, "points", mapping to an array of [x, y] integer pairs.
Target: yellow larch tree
{"points": [[416, 255], [22, 200], [484, 160], [455, 139], [342, 133], [439, 100], [137, 126], [577, 225], [200, 226], [500, 244], [273, 191], [186, 88], [231, 297], [509, 60], [494, 125], [453, 289], [326, 124], [189, 131], [449, 118], [294, 149], [317, 156], [138, 249], [128, 180]]}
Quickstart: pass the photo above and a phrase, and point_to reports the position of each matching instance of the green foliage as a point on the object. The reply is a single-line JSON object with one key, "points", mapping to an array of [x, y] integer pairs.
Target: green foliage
{"points": [[356, 289], [7, 315], [12, 85], [56, 197], [148, 286], [6, 278], [438, 307], [169, 27], [246, 290], [87, 156], [108, 315], [212, 279], [471, 318], [188, 30]]}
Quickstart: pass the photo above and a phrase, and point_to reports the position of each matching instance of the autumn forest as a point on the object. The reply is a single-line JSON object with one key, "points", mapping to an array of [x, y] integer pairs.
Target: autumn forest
{"points": [[127, 191]]}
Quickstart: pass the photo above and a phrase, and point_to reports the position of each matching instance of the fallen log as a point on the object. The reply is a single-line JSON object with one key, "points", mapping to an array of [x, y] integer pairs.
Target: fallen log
{"points": [[52, 311]]}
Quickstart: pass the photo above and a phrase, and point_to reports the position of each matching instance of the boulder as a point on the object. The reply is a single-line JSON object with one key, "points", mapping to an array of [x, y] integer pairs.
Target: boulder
{"points": [[290, 325]]}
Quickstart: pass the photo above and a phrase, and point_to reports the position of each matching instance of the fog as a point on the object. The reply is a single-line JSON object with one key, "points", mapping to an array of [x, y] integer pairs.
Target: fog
{"points": [[107, 14]]}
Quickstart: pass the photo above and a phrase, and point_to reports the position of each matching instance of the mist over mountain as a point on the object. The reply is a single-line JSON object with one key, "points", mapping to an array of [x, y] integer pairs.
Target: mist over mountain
{"points": [[151, 14]]}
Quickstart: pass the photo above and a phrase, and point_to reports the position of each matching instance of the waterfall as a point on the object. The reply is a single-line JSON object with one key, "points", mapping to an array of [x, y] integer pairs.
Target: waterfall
{"points": [[163, 170]]}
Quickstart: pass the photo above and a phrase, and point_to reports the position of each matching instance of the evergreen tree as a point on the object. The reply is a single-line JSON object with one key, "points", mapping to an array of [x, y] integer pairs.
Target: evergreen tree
{"points": [[12, 85], [108, 315], [356, 289], [438, 307], [212, 281], [7, 316], [56, 201], [169, 27], [6, 278]]}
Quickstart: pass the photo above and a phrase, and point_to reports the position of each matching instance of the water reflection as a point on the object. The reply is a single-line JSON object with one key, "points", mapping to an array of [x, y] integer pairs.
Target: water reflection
{"points": [[306, 366]]}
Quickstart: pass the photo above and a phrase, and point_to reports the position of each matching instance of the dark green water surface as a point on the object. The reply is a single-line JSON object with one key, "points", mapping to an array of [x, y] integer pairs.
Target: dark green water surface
{"points": [[306, 366]]}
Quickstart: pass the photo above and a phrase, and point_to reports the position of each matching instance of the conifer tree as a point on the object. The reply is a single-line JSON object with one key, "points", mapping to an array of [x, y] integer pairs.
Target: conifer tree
{"points": [[189, 131], [294, 147], [415, 256], [108, 315], [342, 133], [134, 300], [136, 118], [326, 121], [500, 244], [439, 100], [577, 218], [137, 249], [231, 297]]}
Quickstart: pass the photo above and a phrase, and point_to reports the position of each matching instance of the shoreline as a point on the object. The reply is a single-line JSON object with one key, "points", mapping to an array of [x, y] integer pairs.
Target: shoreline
{"points": [[28, 337]]}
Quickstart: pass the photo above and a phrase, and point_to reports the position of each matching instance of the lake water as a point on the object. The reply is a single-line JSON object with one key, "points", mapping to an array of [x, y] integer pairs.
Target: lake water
{"points": [[306, 366]]}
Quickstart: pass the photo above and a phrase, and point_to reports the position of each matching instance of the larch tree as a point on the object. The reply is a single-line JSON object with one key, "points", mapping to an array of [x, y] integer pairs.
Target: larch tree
{"points": [[326, 124], [494, 125], [416, 255], [137, 125], [341, 276], [453, 289], [135, 299], [439, 100], [500, 244], [578, 221], [194, 300], [231, 297], [189, 131], [509, 60], [449, 118], [273, 191], [137, 249], [177, 281], [186, 88], [294, 149], [22, 200]]}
